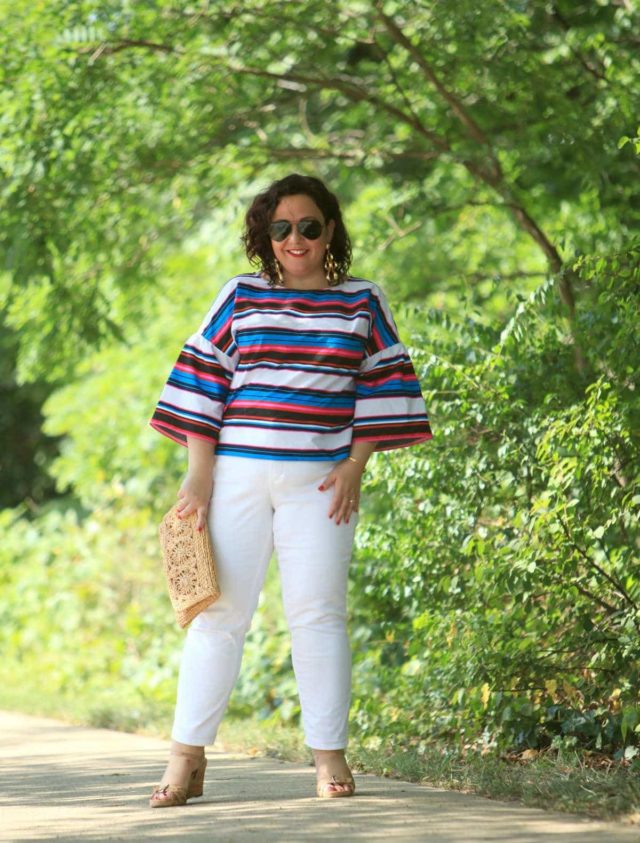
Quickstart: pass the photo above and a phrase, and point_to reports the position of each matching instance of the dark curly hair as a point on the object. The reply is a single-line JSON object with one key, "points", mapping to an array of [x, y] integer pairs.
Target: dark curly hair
{"points": [[257, 242]]}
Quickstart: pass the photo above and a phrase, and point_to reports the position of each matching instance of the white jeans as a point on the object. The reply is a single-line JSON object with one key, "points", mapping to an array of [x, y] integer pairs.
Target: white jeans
{"points": [[257, 505]]}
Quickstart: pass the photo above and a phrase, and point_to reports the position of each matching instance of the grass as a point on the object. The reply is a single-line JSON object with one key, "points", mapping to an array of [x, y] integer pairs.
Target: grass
{"points": [[563, 782]]}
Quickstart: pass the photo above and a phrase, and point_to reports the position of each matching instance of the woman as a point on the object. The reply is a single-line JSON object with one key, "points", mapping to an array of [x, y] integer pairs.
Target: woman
{"points": [[294, 377]]}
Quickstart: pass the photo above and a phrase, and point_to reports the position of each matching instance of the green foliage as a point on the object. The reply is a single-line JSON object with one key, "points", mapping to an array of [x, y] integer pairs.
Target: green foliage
{"points": [[85, 608], [496, 130], [26, 455], [505, 592], [80, 606]]}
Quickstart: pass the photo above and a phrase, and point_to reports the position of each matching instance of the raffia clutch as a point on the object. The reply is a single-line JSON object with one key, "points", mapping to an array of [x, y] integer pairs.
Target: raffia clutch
{"points": [[189, 566]]}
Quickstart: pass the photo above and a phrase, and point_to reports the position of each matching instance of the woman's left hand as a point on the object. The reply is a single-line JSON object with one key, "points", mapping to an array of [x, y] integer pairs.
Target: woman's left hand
{"points": [[346, 478]]}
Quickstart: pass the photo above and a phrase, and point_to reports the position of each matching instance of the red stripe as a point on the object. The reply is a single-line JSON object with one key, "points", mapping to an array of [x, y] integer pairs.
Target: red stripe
{"points": [[321, 412], [307, 349], [393, 376], [202, 375]]}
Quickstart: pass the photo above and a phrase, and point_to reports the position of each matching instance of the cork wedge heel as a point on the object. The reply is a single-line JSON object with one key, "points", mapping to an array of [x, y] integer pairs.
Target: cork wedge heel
{"points": [[169, 795]]}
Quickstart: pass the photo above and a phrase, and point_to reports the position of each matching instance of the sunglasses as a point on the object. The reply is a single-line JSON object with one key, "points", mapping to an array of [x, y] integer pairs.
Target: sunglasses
{"points": [[309, 229]]}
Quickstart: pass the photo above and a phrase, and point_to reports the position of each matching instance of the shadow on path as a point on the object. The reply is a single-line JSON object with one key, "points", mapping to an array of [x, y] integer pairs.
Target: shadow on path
{"points": [[61, 781]]}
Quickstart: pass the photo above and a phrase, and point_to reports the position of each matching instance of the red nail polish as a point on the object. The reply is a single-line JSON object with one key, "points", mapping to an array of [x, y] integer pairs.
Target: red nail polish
{"points": [[321, 488]]}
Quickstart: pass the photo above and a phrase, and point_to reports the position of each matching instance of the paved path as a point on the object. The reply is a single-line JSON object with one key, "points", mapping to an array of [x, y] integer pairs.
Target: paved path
{"points": [[64, 782]]}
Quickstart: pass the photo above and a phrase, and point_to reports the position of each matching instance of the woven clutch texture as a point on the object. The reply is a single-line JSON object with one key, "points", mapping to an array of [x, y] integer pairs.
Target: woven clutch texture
{"points": [[189, 566]]}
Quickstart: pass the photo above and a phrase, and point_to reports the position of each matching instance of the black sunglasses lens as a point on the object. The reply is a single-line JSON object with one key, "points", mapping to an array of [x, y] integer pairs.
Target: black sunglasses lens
{"points": [[279, 230], [310, 229]]}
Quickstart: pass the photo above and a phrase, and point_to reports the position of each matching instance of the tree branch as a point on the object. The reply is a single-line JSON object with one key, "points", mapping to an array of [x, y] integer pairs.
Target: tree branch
{"points": [[311, 153], [612, 580], [106, 48], [586, 593], [396, 82], [355, 155], [597, 72], [470, 125], [494, 175], [352, 90]]}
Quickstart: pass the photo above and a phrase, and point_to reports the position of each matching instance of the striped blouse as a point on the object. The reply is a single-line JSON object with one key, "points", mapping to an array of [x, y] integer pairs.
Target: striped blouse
{"points": [[279, 373]]}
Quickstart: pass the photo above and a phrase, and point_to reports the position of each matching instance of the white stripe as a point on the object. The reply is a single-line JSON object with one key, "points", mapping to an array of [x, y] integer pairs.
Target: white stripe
{"points": [[258, 437], [293, 379], [358, 326], [400, 407], [197, 402]]}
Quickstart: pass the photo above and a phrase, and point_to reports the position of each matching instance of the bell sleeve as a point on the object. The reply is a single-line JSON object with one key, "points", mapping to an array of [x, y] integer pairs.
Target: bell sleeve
{"points": [[389, 409], [193, 399]]}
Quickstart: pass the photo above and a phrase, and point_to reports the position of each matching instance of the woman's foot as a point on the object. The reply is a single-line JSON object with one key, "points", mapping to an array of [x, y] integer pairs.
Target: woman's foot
{"points": [[182, 777], [333, 775]]}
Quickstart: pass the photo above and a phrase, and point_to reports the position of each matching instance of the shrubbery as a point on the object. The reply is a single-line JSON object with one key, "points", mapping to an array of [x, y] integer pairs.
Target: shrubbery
{"points": [[501, 586]]}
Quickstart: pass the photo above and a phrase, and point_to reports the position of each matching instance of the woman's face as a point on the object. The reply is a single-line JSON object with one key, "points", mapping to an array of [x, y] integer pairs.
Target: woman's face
{"points": [[301, 258]]}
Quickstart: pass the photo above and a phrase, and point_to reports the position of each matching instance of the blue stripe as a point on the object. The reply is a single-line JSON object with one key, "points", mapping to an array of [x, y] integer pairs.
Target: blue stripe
{"points": [[380, 322], [193, 383], [390, 420], [292, 396], [266, 336], [251, 292], [188, 414], [391, 388], [271, 454], [221, 319]]}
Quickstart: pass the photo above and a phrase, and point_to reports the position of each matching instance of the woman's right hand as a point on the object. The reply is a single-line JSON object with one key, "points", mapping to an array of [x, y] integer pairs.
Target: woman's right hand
{"points": [[195, 495]]}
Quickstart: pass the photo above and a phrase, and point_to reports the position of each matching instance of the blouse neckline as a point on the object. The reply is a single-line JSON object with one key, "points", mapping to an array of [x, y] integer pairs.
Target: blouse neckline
{"points": [[303, 289]]}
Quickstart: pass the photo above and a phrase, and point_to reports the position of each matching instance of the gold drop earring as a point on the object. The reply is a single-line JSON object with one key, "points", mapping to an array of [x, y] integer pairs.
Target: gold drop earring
{"points": [[330, 267], [279, 272]]}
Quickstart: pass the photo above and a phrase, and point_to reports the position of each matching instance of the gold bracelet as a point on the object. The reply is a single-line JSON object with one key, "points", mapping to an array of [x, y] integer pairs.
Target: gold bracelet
{"points": [[352, 460]]}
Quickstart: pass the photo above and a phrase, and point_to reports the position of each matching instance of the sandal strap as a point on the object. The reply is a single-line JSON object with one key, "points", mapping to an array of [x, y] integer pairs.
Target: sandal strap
{"points": [[334, 780], [170, 788]]}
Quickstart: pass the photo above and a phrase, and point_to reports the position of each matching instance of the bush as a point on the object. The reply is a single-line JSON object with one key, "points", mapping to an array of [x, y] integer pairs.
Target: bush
{"points": [[497, 576]]}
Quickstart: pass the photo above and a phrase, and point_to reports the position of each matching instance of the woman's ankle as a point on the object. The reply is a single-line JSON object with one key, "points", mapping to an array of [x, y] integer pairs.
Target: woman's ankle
{"points": [[331, 761], [321, 754], [186, 749]]}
